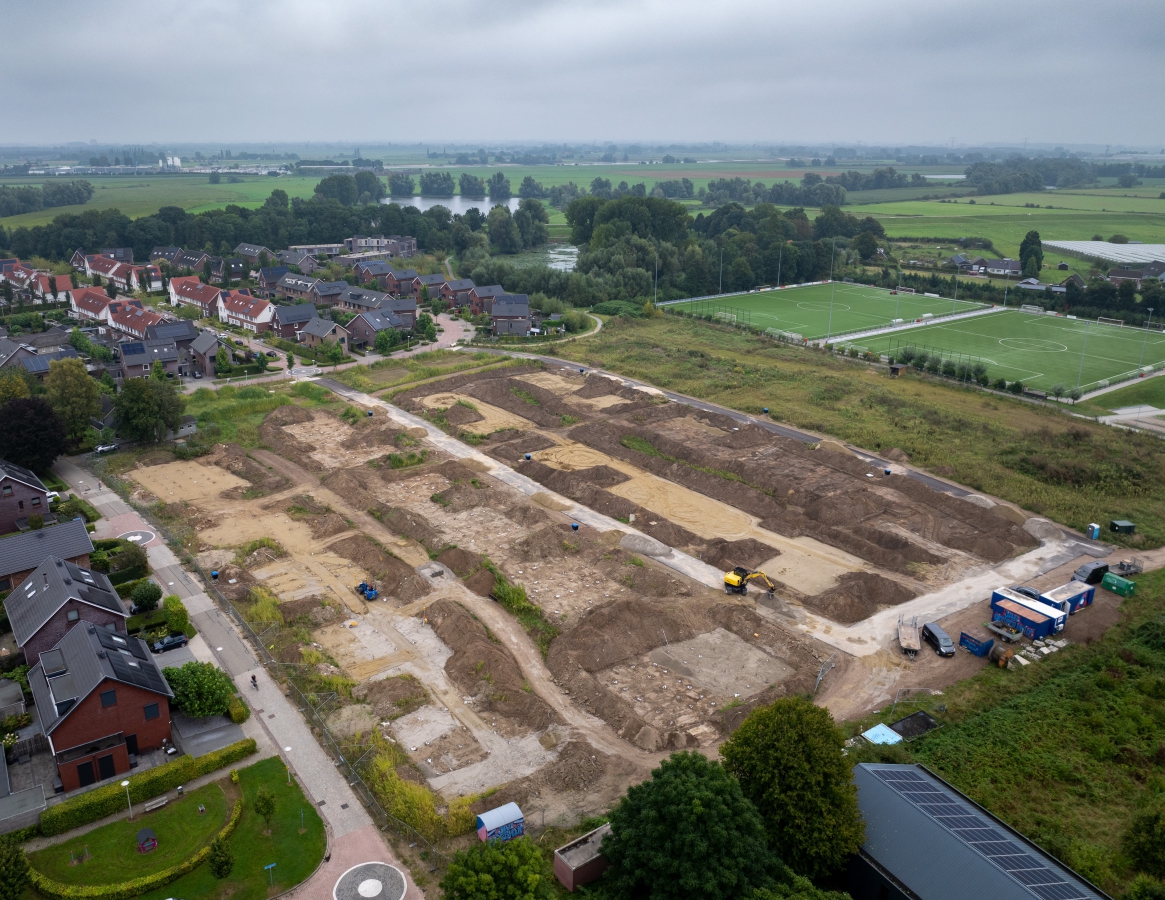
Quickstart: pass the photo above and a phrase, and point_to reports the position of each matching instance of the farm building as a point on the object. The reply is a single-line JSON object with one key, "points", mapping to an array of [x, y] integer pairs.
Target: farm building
{"points": [[1076, 594], [501, 824], [581, 861], [925, 841]]}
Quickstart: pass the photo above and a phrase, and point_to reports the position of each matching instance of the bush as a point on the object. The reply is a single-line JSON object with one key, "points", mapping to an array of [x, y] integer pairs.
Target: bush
{"points": [[125, 591], [514, 868], [1016, 387], [1000, 384], [220, 859], [127, 575], [238, 710], [14, 871], [1144, 843], [105, 801], [200, 689], [177, 619], [146, 595]]}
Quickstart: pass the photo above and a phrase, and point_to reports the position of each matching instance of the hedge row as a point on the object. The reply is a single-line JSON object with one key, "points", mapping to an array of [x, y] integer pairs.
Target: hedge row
{"points": [[124, 590], [137, 886], [106, 801], [133, 573]]}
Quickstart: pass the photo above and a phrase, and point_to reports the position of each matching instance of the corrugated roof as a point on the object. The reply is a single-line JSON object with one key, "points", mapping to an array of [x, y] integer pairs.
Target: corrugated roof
{"points": [[29, 549]]}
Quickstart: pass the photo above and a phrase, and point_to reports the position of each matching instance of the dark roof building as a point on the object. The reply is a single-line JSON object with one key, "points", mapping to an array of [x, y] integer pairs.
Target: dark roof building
{"points": [[925, 841], [166, 253], [181, 332], [22, 553], [39, 365]]}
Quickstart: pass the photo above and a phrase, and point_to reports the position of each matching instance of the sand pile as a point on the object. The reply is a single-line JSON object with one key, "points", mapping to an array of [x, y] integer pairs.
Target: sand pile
{"points": [[395, 577], [728, 555], [894, 454]]}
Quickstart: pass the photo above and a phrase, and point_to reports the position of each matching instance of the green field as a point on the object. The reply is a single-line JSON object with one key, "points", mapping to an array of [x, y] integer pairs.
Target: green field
{"points": [[1039, 350], [823, 310]]}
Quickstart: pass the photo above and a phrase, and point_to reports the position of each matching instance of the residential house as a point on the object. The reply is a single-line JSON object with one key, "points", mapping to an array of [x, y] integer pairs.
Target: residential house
{"points": [[164, 254], [925, 840], [404, 282], [190, 290], [89, 303], [354, 259], [107, 417], [219, 268], [315, 332], [511, 314], [1116, 276], [328, 293], [319, 249], [430, 284], [241, 309], [45, 605], [204, 352], [1155, 269], [77, 260], [305, 262], [54, 288], [404, 308], [1034, 284], [360, 243], [189, 259], [182, 332], [1074, 279], [360, 299], [481, 298], [268, 279], [131, 319], [102, 700], [363, 329], [119, 254], [22, 553], [287, 321], [149, 278], [372, 272], [1006, 267], [139, 359], [296, 287], [455, 294], [252, 252], [39, 365], [48, 341], [21, 495], [12, 353]]}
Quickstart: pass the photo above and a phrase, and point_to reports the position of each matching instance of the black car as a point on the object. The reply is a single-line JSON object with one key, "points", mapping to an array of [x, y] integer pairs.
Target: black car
{"points": [[938, 639], [1091, 573], [1030, 593], [170, 642]]}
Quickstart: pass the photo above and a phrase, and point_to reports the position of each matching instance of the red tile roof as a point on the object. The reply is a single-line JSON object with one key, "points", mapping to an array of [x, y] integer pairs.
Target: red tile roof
{"points": [[190, 287], [241, 304]]}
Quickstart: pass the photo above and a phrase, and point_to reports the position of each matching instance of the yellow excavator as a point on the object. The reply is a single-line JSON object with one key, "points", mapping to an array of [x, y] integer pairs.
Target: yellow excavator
{"points": [[736, 581]]}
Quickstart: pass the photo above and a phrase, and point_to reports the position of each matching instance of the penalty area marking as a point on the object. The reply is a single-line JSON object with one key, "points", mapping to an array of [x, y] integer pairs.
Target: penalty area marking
{"points": [[1033, 345], [823, 307]]}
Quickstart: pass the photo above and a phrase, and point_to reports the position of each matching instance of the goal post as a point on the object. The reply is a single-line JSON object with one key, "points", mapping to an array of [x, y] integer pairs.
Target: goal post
{"points": [[1101, 320], [1029, 308], [728, 317]]}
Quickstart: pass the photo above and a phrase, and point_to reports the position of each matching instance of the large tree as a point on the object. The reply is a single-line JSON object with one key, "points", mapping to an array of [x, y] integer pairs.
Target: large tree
{"points": [[499, 186], [1031, 248], [14, 875], [200, 689], [686, 832], [147, 408], [504, 235], [401, 185], [72, 394], [369, 188], [788, 758], [513, 870], [12, 386], [32, 435]]}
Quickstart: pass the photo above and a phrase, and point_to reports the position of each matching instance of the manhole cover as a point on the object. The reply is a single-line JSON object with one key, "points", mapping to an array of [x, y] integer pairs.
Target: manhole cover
{"points": [[141, 538], [370, 881]]}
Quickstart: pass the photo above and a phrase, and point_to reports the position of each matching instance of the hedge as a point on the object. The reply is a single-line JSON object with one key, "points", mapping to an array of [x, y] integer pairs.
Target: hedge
{"points": [[108, 544], [106, 801], [124, 590], [133, 573], [133, 888]]}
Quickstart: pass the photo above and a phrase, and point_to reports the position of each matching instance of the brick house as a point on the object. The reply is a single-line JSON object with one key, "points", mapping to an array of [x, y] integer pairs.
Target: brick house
{"points": [[432, 283], [315, 332], [13, 353], [183, 332], [46, 605], [140, 358], [305, 262], [21, 495], [267, 279], [481, 298], [404, 284], [102, 700], [511, 314], [89, 303], [132, 319], [456, 293], [204, 350], [405, 308], [189, 259], [162, 254], [360, 299], [287, 321], [363, 329], [21, 553], [327, 293], [372, 272], [252, 252], [190, 291], [241, 309], [295, 287]]}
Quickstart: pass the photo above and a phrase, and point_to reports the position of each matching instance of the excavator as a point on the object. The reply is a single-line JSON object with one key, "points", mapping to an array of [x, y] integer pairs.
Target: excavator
{"points": [[736, 581]]}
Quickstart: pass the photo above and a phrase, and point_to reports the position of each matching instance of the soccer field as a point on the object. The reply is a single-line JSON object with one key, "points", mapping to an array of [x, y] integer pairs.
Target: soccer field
{"points": [[809, 311], [1039, 350]]}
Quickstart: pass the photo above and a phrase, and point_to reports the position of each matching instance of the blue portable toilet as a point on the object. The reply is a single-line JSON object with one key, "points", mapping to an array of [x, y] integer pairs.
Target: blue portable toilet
{"points": [[1093, 532], [501, 824]]}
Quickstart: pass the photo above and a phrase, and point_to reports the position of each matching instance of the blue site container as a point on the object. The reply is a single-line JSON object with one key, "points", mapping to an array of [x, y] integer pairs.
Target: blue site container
{"points": [[1057, 616], [975, 646], [1076, 594], [1019, 618]]}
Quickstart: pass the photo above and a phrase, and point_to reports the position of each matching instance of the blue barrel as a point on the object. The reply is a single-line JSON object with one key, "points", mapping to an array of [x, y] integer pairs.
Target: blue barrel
{"points": [[887, 471], [582, 370], [574, 526], [214, 575], [369, 412], [766, 410], [527, 456]]}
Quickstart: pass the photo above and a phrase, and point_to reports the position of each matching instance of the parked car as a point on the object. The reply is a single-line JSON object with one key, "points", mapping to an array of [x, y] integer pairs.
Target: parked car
{"points": [[105, 448], [170, 642], [1030, 593], [53, 496], [197, 374], [1091, 572], [937, 638], [272, 354]]}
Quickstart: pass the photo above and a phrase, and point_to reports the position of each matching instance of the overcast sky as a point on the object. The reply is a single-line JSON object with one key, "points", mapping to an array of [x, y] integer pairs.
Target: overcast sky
{"points": [[480, 71]]}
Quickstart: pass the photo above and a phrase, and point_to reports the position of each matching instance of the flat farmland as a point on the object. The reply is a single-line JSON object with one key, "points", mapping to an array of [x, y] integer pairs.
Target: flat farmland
{"points": [[821, 310], [1039, 350]]}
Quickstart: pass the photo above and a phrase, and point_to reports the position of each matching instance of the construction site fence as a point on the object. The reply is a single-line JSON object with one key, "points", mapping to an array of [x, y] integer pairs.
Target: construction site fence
{"points": [[286, 674]]}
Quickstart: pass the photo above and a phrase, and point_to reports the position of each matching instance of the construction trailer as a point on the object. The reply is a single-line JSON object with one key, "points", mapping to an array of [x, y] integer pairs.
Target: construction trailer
{"points": [[1058, 616], [501, 824], [581, 861], [1036, 626], [1073, 596]]}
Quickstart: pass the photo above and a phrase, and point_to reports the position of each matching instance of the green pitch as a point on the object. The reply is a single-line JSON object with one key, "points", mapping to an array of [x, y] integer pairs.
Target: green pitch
{"points": [[822, 310], [1039, 350]]}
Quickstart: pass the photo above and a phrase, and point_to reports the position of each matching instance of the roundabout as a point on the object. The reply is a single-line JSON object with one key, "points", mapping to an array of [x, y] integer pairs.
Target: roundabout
{"points": [[1033, 345], [141, 538], [370, 881], [306, 371]]}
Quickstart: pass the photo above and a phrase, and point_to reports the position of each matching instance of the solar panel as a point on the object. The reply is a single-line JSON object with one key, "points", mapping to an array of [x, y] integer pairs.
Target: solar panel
{"points": [[978, 832], [135, 348]]}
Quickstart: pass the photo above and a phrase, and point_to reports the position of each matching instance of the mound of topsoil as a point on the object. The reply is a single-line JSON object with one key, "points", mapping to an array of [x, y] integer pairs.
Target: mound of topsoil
{"points": [[485, 670], [528, 515], [397, 578], [578, 766], [461, 562], [845, 509], [392, 697], [481, 582], [234, 459], [242, 579], [599, 386], [327, 526], [858, 596], [727, 555], [550, 542], [466, 495], [896, 455], [288, 446], [293, 609], [458, 414], [408, 524]]}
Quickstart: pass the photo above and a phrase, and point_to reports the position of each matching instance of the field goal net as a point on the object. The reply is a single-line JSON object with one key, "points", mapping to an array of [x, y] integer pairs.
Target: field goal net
{"points": [[730, 318], [1101, 320], [903, 290], [1034, 310], [791, 336]]}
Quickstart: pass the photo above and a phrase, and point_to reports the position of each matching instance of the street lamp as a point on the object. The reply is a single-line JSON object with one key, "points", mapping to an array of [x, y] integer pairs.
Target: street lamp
{"points": [[125, 784], [1145, 338]]}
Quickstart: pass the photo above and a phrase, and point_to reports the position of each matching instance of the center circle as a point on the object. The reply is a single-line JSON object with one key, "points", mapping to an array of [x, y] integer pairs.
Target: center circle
{"points": [[1033, 345], [822, 307], [370, 887]]}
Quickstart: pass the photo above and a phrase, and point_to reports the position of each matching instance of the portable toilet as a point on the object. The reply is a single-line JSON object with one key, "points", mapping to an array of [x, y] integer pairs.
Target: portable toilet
{"points": [[501, 824], [1076, 594], [1019, 618], [1057, 616]]}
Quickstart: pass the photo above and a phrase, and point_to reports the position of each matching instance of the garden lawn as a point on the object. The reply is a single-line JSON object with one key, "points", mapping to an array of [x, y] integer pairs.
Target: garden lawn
{"points": [[113, 855], [295, 855]]}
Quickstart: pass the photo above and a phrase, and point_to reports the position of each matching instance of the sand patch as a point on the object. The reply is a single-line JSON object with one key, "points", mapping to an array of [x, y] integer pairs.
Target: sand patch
{"points": [[723, 663], [361, 650], [330, 439], [171, 482], [492, 418]]}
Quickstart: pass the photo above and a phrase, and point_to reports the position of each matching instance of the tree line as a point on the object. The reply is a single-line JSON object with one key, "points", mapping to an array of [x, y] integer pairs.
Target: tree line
{"points": [[18, 199]]}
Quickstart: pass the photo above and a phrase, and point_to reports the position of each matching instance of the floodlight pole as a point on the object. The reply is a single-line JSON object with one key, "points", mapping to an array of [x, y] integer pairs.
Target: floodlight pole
{"points": [[1080, 375], [655, 299], [720, 289], [955, 302], [1006, 285], [780, 257], [1145, 338], [832, 288]]}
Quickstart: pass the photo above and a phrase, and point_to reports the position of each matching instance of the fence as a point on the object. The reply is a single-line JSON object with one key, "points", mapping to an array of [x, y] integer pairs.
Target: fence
{"points": [[313, 705], [965, 361], [714, 310]]}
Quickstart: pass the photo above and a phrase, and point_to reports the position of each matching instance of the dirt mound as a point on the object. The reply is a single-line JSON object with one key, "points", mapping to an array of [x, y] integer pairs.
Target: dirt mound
{"points": [[460, 497], [234, 459], [290, 415], [287, 445], [573, 482], [392, 697], [308, 504], [409, 524], [858, 596], [485, 670], [327, 526], [727, 555], [599, 386], [896, 455], [523, 399], [551, 542], [242, 579], [907, 549], [845, 509], [507, 449], [515, 792], [293, 609], [461, 562], [481, 582], [459, 414], [578, 766], [527, 514], [397, 578], [643, 579], [322, 615], [621, 630]]}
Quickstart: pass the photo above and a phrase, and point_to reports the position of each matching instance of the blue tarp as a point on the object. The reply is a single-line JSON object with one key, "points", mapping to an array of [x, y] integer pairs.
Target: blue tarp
{"points": [[882, 734]]}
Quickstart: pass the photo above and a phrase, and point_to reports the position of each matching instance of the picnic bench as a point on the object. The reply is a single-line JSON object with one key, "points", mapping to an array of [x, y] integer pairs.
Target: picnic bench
{"points": [[157, 804]]}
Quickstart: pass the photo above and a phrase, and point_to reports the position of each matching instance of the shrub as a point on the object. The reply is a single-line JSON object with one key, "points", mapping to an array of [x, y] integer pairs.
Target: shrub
{"points": [[515, 868], [220, 859], [106, 801], [146, 595], [177, 619], [1016, 387], [200, 689], [238, 710], [14, 871], [1000, 384], [1144, 843]]}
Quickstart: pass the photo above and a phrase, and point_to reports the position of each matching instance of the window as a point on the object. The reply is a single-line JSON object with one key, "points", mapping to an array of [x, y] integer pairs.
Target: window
{"points": [[72, 615], [20, 504], [7, 490], [35, 502], [152, 711], [109, 698], [145, 367]]}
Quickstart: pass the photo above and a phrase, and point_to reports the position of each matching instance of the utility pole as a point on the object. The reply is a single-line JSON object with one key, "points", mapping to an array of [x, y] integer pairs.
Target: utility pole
{"points": [[832, 288], [955, 302], [1006, 285], [1145, 338], [655, 298]]}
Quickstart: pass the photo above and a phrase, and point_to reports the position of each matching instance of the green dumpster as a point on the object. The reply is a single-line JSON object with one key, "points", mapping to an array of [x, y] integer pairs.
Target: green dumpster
{"points": [[1118, 585]]}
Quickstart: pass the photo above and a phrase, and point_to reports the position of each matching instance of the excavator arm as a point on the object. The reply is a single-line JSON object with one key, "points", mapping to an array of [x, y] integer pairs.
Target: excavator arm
{"points": [[764, 580], [736, 581]]}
